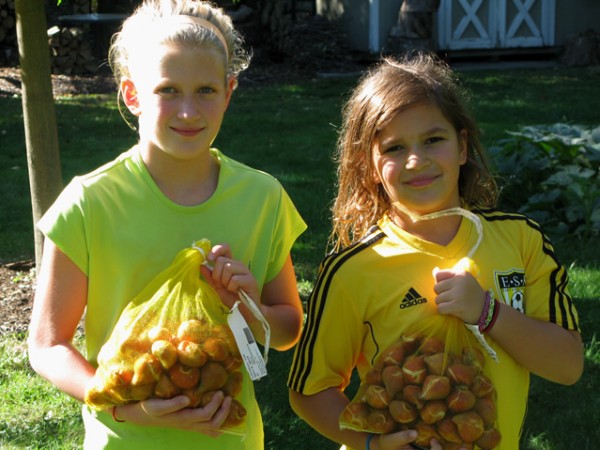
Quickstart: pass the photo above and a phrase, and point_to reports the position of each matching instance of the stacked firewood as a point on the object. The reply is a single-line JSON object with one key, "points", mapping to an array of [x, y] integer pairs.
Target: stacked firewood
{"points": [[71, 51], [71, 47]]}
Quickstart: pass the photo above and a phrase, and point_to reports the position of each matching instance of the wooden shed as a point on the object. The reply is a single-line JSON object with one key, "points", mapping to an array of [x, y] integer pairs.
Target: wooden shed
{"points": [[476, 26]]}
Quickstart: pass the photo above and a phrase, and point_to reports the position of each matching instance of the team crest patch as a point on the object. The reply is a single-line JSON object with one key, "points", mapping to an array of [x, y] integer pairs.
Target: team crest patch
{"points": [[511, 286]]}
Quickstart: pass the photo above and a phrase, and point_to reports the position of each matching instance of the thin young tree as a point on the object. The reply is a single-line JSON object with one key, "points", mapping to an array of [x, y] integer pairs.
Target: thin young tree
{"points": [[39, 115]]}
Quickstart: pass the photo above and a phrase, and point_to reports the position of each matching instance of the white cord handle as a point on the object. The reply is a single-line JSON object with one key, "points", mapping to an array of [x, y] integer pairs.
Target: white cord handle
{"points": [[246, 300]]}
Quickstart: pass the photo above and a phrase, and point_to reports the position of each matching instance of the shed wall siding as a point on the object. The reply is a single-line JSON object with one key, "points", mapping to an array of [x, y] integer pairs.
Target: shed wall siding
{"points": [[570, 17]]}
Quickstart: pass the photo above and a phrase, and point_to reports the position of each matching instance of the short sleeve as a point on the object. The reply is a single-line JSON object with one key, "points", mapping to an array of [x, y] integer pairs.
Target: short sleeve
{"points": [[546, 290], [288, 226], [64, 224], [329, 347]]}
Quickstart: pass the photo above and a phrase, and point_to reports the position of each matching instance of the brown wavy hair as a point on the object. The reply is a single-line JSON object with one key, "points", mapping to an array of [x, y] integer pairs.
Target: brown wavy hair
{"points": [[386, 89]]}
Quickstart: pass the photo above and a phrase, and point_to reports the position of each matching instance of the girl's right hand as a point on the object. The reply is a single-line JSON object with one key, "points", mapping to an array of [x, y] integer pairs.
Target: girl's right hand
{"points": [[400, 441], [459, 294], [174, 413], [227, 276]]}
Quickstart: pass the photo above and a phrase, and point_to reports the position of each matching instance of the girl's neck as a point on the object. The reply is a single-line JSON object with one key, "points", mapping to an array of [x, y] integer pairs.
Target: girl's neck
{"points": [[185, 182], [441, 230]]}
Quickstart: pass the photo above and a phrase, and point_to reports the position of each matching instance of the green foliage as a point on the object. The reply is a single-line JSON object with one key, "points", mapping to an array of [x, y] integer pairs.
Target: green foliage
{"points": [[502, 99], [552, 173]]}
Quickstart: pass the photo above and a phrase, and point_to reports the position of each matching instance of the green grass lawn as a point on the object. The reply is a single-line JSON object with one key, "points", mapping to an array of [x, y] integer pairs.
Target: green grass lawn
{"points": [[290, 131]]}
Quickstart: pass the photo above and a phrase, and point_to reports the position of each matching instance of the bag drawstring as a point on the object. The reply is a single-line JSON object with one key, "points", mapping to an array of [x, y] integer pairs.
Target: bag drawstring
{"points": [[479, 228], [246, 300]]}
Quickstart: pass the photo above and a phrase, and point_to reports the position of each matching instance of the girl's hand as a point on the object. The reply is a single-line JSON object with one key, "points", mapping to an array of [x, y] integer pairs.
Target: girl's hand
{"points": [[228, 276], [174, 413], [399, 441], [459, 294]]}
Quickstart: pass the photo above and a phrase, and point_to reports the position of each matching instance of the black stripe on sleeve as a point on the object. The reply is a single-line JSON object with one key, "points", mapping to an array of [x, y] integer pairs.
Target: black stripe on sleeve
{"points": [[302, 364], [558, 279]]}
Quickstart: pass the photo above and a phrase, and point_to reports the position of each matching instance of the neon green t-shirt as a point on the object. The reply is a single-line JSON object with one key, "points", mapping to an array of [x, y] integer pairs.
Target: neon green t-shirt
{"points": [[371, 293], [119, 228]]}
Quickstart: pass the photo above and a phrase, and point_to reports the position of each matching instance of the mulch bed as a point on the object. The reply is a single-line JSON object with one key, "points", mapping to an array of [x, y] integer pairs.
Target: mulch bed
{"points": [[17, 284]]}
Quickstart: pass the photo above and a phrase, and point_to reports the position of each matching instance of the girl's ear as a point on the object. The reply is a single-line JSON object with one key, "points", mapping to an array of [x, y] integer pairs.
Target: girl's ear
{"points": [[376, 177], [130, 98], [463, 147], [374, 174], [231, 85]]}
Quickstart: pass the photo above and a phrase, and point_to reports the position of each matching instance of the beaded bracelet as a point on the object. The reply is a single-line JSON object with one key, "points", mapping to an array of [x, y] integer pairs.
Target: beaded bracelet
{"points": [[485, 311], [369, 437], [489, 313], [114, 415]]}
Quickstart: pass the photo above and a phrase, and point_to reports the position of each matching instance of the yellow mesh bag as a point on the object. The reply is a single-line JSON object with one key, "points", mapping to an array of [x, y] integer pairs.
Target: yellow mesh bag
{"points": [[433, 380], [172, 339]]}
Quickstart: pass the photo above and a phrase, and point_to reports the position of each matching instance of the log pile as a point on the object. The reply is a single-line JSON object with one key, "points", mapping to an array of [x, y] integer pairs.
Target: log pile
{"points": [[71, 51], [70, 47]]}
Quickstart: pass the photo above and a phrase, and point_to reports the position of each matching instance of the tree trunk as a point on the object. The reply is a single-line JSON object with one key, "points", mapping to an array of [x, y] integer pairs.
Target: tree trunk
{"points": [[414, 27], [39, 116]]}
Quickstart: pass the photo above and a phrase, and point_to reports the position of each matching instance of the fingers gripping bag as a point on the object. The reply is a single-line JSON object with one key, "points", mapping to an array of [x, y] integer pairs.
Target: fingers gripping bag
{"points": [[432, 379], [171, 339]]}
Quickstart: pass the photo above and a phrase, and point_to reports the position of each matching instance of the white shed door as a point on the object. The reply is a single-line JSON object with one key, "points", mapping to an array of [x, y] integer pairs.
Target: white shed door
{"points": [[465, 24]]}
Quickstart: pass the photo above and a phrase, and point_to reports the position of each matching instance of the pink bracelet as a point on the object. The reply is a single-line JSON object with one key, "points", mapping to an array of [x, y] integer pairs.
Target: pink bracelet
{"points": [[492, 321], [489, 313]]}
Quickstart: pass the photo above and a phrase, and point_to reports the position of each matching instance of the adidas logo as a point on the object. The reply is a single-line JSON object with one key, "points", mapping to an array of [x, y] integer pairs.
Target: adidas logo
{"points": [[412, 298]]}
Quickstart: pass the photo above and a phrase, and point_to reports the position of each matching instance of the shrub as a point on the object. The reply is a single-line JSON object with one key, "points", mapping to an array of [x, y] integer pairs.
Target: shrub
{"points": [[551, 173]]}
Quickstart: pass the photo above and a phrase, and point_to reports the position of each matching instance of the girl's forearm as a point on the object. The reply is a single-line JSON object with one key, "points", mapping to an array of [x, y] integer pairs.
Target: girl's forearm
{"points": [[544, 348], [285, 322], [63, 366], [321, 411]]}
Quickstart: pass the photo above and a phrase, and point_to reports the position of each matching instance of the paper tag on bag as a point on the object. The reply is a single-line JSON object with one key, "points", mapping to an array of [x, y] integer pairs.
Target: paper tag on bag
{"points": [[253, 359]]}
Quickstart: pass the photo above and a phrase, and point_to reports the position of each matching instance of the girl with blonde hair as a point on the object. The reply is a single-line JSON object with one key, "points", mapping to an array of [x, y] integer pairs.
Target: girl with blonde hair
{"points": [[113, 230]]}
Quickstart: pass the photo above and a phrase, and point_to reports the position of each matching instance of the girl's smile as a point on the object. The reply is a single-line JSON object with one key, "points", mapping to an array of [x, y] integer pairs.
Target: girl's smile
{"points": [[420, 181], [187, 132]]}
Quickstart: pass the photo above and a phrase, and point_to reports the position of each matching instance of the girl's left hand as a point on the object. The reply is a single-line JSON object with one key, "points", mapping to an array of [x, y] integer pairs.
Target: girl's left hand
{"points": [[398, 441], [459, 294], [175, 413], [228, 276]]}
